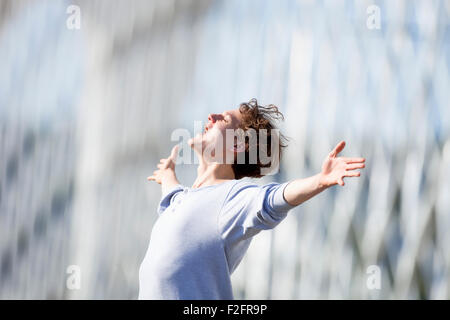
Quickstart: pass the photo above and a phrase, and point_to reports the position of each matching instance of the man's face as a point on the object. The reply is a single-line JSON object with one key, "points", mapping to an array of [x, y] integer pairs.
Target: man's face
{"points": [[214, 132]]}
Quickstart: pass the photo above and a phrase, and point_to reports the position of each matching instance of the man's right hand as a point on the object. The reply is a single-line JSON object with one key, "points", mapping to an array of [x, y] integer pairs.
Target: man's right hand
{"points": [[166, 169]]}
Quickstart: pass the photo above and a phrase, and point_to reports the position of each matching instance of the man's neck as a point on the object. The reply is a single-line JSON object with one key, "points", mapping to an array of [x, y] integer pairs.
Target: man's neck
{"points": [[212, 173]]}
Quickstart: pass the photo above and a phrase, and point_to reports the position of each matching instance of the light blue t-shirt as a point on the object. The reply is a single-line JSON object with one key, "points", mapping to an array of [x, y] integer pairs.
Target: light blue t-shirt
{"points": [[201, 236]]}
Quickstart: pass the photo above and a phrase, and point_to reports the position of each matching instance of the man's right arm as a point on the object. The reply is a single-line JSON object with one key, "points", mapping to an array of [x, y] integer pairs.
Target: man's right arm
{"points": [[165, 175], [168, 182]]}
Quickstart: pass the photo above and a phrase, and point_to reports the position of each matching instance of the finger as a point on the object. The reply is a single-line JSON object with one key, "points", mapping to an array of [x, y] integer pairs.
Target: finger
{"points": [[162, 160], [352, 174], [353, 166], [341, 182], [174, 153], [340, 146], [161, 166], [353, 160], [151, 178]]}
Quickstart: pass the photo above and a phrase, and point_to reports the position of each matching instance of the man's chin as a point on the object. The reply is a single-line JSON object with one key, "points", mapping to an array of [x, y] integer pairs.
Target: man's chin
{"points": [[195, 143]]}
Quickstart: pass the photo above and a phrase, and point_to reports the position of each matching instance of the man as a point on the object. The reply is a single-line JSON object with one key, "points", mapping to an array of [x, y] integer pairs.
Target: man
{"points": [[203, 231]]}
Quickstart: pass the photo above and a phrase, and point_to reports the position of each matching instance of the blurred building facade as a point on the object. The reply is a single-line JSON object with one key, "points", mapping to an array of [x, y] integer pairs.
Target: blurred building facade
{"points": [[86, 114]]}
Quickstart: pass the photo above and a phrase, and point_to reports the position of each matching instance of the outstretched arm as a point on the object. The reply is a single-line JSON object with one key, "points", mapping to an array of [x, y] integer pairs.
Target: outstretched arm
{"points": [[334, 169], [165, 175]]}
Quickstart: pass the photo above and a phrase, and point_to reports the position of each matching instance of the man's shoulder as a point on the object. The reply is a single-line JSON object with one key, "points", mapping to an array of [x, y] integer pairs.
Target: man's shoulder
{"points": [[252, 182], [238, 186]]}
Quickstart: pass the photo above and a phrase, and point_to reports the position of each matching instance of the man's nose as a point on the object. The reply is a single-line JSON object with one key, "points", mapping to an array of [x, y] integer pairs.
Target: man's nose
{"points": [[212, 117]]}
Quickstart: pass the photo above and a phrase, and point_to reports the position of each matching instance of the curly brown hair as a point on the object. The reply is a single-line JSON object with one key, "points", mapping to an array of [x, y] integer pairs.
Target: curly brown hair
{"points": [[258, 117]]}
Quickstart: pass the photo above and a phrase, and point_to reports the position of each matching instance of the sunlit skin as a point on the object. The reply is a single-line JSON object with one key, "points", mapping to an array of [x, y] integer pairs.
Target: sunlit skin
{"points": [[333, 171]]}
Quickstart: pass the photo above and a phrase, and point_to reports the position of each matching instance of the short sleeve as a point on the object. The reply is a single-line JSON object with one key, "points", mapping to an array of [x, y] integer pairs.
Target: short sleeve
{"points": [[250, 208], [168, 198]]}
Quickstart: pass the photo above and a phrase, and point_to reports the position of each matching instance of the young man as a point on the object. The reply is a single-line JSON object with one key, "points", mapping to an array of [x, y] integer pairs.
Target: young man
{"points": [[203, 231]]}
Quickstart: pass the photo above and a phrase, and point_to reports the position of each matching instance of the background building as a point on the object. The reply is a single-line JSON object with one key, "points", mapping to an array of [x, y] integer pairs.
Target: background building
{"points": [[85, 115]]}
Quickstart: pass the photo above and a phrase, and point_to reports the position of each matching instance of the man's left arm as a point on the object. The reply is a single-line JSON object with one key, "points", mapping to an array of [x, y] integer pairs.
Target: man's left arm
{"points": [[334, 169]]}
